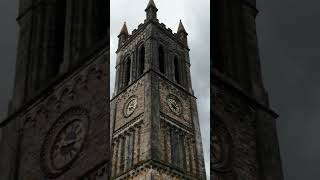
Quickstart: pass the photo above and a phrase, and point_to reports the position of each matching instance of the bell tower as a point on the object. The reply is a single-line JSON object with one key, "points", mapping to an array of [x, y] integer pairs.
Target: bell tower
{"points": [[155, 125], [244, 143]]}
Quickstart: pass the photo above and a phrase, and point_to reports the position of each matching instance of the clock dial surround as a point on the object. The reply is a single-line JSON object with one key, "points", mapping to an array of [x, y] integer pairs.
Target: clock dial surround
{"points": [[174, 104], [130, 106], [67, 144], [64, 142]]}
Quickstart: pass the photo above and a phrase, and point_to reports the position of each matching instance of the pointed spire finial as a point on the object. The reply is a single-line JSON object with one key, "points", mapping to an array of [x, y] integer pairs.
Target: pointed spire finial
{"points": [[181, 27], [151, 11], [124, 29], [151, 4]]}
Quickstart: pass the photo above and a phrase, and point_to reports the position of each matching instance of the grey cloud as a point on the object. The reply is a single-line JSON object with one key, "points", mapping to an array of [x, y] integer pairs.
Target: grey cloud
{"points": [[289, 44]]}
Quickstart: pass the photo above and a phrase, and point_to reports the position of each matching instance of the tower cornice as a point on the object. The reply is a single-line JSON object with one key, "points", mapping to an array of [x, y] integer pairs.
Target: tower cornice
{"points": [[33, 6], [161, 26], [220, 77]]}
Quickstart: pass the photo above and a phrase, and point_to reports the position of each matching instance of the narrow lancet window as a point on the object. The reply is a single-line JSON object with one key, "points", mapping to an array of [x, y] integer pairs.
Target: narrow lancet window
{"points": [[59, 35], [177, 70], [161, 60], [127, 71], [141, 59]]}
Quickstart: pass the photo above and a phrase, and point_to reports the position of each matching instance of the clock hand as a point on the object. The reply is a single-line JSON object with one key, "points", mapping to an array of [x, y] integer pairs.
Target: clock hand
{"points": [[67, 144], [71, 142]]}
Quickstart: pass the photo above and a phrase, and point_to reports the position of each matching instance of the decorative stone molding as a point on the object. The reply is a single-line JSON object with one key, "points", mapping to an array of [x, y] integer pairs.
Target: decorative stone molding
{"points": [[137, 121], [98, 173], [69, 116], [149, 166], [64, 91], [130, 91], [233, 105], [175, 123]]}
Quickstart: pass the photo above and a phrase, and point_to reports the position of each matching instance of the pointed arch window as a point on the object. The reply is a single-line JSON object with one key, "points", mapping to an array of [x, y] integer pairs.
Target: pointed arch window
{"points": [[127, 73], [177, 70], [141, 59], [161, 60], [59, 34]]}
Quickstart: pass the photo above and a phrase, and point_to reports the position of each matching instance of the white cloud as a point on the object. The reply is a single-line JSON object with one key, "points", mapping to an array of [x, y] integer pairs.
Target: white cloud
{"points": [[195, 16]]}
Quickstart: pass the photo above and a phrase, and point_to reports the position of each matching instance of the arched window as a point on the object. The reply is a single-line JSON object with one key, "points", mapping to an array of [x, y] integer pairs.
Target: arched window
{"points": [[141, 59], [161, 60], [59, 34], [56, 49], [177, 70], [127, 73]]}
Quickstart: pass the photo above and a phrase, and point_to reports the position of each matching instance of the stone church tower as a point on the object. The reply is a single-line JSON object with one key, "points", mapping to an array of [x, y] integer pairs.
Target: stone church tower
{"points": [[244, 143], [156, 133], [58, 125]]}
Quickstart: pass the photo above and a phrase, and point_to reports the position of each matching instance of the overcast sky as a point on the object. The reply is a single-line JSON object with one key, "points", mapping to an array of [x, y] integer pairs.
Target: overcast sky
{"points": [[195, 16], [289, 39]]}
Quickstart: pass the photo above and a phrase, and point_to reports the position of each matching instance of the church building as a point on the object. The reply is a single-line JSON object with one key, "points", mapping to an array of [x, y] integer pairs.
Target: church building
{"points": [[155, 123]]}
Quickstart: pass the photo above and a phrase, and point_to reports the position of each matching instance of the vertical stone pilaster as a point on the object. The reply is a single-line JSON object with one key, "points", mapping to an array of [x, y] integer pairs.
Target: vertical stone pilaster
{"points": [[174, 146], [162, 141], [115, 150], [119, 159], [187, 154], [152, 115], [131, 148], [183, 152], [145, 141], [178, 148], [34, 52], [192, 157], [136, 145], [168, 144], [197, 161], [126, 151]]}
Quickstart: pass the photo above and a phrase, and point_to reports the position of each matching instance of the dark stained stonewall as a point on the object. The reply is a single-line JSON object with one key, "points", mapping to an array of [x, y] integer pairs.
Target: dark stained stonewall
{"points": [[244, 143], [58, 124]]}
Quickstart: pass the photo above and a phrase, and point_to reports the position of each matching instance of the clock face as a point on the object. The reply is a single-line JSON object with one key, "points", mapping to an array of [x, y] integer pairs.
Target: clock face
{"points": [[64, 141], [130, 106], [174, 105], [67, 144]]}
